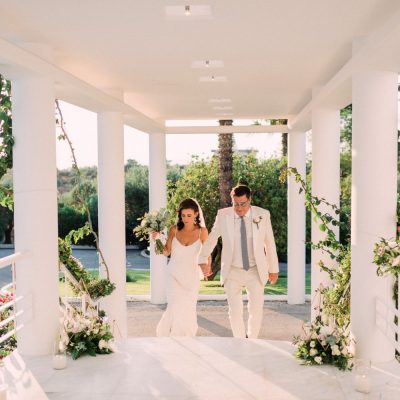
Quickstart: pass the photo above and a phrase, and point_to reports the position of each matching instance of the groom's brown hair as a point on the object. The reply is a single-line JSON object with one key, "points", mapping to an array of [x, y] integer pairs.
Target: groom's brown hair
{"points": [[241, 190]]}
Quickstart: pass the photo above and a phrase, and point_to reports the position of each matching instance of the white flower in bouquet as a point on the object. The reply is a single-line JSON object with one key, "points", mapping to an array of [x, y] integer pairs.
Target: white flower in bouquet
{"points": [[153, 221], [318, 359], [335, 350], [313, 352], [312, 343]]}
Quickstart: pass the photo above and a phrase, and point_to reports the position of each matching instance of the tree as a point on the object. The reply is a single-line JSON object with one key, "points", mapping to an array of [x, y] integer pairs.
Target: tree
{"points": [[225, 154], [200, 180]]}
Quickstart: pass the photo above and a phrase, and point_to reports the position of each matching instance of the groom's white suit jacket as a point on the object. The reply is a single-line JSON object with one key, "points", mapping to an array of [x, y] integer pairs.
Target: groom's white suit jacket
{"points": [[263, 242]]}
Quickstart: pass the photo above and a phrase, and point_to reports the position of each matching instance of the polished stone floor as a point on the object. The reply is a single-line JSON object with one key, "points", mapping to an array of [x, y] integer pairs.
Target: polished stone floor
{"points": [[201, 368]]}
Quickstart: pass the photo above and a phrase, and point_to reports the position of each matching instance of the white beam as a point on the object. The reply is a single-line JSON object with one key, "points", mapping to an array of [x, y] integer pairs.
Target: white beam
{"points": [[377, 49], [227, 129], [16, 61]]}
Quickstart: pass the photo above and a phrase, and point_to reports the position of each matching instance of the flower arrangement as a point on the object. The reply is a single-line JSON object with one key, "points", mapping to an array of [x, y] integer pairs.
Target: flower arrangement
{"points": [[153, 221], [387, 256], [321, 344], [257, 220], [84, 334]]}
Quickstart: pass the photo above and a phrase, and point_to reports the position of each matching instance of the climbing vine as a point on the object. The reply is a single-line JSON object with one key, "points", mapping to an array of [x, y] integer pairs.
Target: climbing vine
{"points": [[327, 338]]}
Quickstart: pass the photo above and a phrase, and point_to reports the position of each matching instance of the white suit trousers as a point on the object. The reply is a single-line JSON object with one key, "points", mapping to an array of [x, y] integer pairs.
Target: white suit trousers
{"points": [[235, 281]]}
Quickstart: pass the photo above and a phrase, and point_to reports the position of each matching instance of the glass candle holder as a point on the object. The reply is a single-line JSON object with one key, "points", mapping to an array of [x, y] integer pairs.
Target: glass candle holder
{"points": [[362, 379], [59, 357]]}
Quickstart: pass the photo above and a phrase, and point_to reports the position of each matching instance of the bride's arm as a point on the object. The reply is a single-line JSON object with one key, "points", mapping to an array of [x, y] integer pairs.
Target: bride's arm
{"points": [[168, 244], [207, 267]]}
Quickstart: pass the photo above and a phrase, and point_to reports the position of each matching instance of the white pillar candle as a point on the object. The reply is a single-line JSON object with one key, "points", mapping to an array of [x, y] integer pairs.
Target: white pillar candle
{"points": [[362, 383], [59, 362]]}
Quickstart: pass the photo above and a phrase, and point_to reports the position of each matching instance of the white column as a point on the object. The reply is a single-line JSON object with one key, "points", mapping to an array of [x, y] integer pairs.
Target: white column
{"points": [[35, 216], [325, 184], [157, 199], [374, 190], [111, 192], [296, 220]]}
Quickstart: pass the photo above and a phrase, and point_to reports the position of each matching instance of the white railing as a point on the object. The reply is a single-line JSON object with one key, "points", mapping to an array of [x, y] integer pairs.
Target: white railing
{"points": [[88, 305], [10, 289], [387, 319]]}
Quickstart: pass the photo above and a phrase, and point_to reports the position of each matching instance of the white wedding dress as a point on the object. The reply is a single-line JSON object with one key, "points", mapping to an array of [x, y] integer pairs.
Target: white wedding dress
{"points": [[183, 282]]}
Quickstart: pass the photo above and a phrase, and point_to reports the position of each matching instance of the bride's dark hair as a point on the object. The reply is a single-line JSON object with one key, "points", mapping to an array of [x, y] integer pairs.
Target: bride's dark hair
{"points": [[187, 204]]}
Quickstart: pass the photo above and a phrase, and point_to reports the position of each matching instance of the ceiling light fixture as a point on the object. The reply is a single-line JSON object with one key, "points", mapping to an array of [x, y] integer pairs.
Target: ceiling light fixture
{"points": [[207, 63], [187, 11]]}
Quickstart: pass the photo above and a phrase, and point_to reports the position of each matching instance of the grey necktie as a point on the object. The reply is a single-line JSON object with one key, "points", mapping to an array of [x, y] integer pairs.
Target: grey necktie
{"points": [[243, 240]]}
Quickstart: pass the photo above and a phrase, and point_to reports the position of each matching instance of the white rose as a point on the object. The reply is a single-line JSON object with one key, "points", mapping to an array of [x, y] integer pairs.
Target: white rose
{"points": [[111, 346], [318, 360], [313, 352], [102, 344], [335, 350], [312, 343], [392, 244], [345, 351]]}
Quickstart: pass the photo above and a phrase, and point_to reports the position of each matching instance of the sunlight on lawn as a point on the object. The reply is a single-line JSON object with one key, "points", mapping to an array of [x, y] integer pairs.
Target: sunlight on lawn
{"points": [[138, 282]]}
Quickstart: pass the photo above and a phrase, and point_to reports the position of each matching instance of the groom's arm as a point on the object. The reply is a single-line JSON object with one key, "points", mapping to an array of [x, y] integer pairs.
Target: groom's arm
{"points": [[210, 243], [272, 257]]}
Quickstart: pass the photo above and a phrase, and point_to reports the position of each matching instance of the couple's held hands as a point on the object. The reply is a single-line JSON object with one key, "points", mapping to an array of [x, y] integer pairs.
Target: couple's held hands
{"points": [[273, 277], [206, 270]]}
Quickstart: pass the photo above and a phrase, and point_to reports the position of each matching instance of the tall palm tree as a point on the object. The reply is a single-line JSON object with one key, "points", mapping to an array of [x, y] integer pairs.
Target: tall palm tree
{"points": [[225, 155], [225, 183]]}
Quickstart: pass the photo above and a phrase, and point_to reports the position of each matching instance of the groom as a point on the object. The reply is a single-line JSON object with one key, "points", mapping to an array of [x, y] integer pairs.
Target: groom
{"points": [[248, 259]]}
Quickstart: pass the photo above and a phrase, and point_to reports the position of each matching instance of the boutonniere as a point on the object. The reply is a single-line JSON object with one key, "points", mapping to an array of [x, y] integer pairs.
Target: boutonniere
{"points": [[257, 220]]}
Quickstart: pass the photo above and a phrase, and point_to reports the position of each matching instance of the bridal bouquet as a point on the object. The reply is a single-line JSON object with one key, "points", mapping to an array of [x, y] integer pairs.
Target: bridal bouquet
{"points": [[153, 221]]}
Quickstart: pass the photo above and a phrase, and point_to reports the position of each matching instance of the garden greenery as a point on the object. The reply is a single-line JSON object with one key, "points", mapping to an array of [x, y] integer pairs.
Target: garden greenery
{"points": [[327, 339]]}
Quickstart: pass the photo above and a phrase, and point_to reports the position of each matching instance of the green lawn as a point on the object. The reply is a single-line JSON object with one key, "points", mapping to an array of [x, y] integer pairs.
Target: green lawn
{"points": [[138, 282]]}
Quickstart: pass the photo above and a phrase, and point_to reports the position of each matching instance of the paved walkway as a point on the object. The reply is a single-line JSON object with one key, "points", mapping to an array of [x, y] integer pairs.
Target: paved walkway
{"points": [[281, 321]]}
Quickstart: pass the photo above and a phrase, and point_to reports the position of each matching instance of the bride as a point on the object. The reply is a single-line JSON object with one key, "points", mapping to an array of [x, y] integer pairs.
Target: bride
{"points": [[184, 243]]}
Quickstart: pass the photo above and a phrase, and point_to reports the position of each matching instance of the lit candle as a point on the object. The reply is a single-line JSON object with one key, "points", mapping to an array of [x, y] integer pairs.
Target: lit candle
{"points": [[362, 384], [59, 362]]}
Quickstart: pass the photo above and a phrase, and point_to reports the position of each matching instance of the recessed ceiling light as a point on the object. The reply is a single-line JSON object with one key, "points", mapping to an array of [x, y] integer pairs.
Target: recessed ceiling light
{"points": [[185, 11], [207, 64], [220, 100], [212, 78], [223, 108]]}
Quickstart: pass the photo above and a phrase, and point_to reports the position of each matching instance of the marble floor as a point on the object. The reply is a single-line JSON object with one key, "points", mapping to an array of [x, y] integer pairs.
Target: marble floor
{"points": [[209, 368]]}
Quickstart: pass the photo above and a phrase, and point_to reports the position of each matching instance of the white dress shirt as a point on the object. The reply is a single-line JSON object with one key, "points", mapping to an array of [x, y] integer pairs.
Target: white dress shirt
{"points": [[237, 245]]}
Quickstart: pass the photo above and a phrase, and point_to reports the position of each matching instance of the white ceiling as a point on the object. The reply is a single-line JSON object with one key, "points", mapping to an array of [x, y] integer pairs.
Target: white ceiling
{"points": [[273, 51]]}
